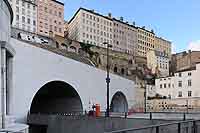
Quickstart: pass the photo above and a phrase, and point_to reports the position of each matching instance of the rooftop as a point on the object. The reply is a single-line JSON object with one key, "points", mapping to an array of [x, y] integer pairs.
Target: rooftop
{"points": [[109, 18], [58, 2]]}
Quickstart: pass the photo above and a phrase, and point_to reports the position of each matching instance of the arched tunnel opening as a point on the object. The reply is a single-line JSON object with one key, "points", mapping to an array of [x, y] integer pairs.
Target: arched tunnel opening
{"points": [[119, 103], [56, 97]]}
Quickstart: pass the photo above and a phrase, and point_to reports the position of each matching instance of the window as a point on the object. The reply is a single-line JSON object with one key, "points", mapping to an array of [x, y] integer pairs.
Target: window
{"points": [[17, 17], [28, 6], [160, 86], [189, 74], [23, 11], [189, 93], [23, 4], [60, 30], [55, 28], [169, 85], [28, 21], [179, 74], [17, 9], [189, 82], [34, 8], [60, 14], [45, 9], [180, 94], [23, 19], [165, 85], [34, 22], [17, 2], [23, 26], [179, 83]]}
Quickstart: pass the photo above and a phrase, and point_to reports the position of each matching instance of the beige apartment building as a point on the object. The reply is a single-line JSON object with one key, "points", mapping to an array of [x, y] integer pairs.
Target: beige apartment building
{"points": [[163, 45], [146, 41], [90, 27], [93, 28], [124, 37], [158, 63], [50, 17]]}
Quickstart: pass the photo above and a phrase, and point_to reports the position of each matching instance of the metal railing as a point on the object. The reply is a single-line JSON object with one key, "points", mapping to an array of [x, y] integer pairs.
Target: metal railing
{"points": [[190, 126]]}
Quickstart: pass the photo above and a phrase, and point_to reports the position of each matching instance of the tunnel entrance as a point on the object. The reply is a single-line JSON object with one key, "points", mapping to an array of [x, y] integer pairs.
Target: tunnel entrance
{"points": [[119, 103], [56, 97]]}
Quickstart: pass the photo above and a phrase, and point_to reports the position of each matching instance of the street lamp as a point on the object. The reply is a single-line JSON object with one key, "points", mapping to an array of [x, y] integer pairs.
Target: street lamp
{"points": [[108, 78], [146, 80]]}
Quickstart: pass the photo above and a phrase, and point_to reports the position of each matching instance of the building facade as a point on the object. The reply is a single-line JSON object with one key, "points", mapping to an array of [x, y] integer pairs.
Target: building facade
{"points": [[50, 17], [146, 41], [184, 84], [184, 60], [163, 45], [93, 28], [25, 14], [158, 62], [124, 37], [89, 27]]}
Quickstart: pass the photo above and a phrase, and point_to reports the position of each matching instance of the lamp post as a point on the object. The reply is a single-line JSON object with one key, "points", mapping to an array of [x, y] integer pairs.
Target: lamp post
{"points": [[145, 96], [146, 80], [108, 79]]}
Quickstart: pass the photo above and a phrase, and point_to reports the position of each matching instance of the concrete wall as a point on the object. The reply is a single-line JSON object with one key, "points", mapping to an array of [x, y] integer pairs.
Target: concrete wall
{"points": [[34, 67], [90, 125], [82, 124], [5, 21]]}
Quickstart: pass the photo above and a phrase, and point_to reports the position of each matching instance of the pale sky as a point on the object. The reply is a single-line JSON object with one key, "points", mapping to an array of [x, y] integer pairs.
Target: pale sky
{"points": [[174, 20]]}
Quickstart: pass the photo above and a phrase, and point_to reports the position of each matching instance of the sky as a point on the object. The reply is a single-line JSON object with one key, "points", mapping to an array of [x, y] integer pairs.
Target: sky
{"points": [[175, 20]]}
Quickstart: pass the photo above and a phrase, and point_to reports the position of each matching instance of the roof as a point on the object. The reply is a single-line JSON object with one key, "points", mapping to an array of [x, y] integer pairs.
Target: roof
{"points": [[163, 39], [58, 2], [106, 17], [124, 23], [90, 11], [10, 9], [187, 69], [145, 30]]}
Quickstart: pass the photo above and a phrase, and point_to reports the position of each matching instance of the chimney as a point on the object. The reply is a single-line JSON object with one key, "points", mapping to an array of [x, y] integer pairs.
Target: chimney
{"points": [[126, 22], [109, 15], [92, 10], [121, 19], [133, 23], [152, 31], [143, 27]]}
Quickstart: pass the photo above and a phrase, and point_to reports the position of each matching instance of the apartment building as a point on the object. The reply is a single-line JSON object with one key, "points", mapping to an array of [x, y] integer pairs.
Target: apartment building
{"points": [[184, 84], [93, 28], [163, 45], [124, 37], [25, 14], [50, 17], [146, 41], [158, 62], [90, 27]]}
